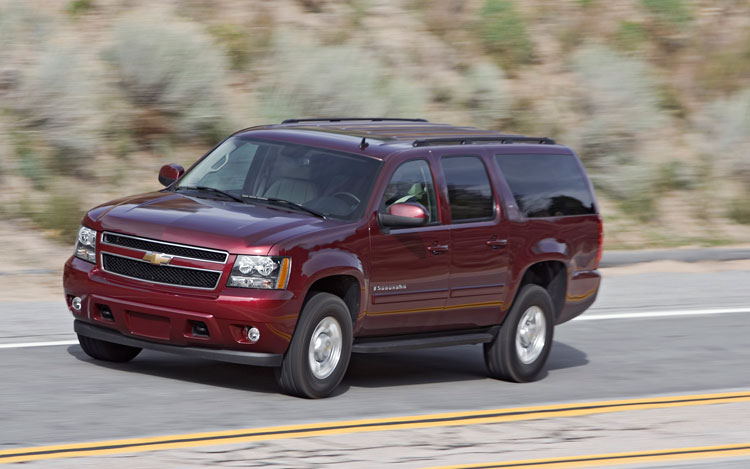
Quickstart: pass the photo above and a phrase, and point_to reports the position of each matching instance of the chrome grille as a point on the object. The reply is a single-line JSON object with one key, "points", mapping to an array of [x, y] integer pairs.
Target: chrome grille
{"points": [[179, 250], [164, 274]]}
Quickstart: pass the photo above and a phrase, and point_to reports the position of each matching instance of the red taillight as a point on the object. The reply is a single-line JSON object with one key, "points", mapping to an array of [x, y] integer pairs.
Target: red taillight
{"points": [[599, 249]]}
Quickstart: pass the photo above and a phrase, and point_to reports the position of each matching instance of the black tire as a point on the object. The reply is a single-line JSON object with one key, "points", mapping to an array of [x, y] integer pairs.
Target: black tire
{"points": [[503, 359], [107, 351], [296, 375]]}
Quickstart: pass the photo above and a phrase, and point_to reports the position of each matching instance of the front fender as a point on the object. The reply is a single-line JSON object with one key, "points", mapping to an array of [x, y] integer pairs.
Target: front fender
{"points": [[328, 262], [332, 262]]}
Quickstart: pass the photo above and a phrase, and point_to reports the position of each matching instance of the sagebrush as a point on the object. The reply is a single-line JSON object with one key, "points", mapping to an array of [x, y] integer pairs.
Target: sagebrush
{"points": [[173, 68], [306, 80]]}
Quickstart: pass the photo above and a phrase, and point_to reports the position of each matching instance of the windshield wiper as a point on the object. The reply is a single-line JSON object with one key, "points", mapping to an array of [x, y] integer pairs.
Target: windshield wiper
{"points": [[212, 189], [285, 202]]}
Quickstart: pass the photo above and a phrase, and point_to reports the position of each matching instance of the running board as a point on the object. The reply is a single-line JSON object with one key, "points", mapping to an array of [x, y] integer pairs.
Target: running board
{"points": [[420, 341]]}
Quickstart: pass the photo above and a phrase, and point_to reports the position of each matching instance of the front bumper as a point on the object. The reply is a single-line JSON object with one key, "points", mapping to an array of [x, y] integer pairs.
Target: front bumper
{"points": [[232, 356], [157, 314]]}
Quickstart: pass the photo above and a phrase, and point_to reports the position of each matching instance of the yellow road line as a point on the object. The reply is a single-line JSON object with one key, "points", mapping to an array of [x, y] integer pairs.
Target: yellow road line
{"points": [[135, 445], [639, 457]]}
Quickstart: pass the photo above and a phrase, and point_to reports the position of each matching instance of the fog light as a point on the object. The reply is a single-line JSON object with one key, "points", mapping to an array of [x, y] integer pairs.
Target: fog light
{"points": [[76, 303], [253, 334]]}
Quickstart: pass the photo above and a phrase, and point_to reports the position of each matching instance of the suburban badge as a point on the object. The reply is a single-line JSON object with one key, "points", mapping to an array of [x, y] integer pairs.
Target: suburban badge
{"points": [[380, 288]]}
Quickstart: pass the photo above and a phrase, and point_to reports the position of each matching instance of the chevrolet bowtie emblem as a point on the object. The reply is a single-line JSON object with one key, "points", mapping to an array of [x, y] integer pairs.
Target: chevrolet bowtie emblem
{"points": [[157, 258]]}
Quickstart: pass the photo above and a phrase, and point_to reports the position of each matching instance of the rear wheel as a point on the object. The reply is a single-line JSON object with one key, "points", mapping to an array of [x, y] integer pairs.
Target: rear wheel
{"points": [[320, 349], [522, 345], [107, 351]]}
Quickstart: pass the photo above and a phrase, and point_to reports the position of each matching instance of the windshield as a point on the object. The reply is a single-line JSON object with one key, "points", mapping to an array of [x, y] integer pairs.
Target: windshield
{"points": [[323, 181]]}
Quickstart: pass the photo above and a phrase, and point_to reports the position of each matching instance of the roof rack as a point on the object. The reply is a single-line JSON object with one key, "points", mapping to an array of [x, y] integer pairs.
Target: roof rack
{"points": [[342, 119], [470, 140]]}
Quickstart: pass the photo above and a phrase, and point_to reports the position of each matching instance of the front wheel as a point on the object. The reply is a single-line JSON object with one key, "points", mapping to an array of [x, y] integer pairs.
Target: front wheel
{"points": [[522, 345], [319, 352]]}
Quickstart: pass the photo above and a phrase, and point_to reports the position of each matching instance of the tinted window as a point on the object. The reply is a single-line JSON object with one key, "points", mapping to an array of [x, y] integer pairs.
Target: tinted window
{"points": [[469, 191], [547, 185], [412, 182]]}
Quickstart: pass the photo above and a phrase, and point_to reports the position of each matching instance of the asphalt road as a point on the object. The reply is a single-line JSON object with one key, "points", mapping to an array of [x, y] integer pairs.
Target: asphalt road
{"points": [[56, 394]]}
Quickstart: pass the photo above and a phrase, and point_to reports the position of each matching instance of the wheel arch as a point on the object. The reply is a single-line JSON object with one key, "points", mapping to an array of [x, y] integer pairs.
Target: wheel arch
{"points": [[345, 286], [552, 275], [339, 273]]}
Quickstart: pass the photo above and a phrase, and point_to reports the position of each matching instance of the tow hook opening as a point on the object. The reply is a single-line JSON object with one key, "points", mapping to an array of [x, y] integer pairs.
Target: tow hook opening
{"points": [[105, 312], [200, 329]]}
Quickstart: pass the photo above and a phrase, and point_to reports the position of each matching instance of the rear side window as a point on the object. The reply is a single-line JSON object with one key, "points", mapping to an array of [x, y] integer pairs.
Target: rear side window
{"points": [[469, 191], [547, 185]]}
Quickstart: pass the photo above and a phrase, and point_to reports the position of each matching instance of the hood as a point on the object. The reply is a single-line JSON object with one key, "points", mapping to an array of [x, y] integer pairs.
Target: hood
{"points": [[214, 223]]}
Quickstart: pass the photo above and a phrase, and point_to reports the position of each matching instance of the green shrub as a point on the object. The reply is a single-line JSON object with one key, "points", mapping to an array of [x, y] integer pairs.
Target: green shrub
{"points": [[670, 102], [29, 163], [674, 12], [235, 41], [503, 32], [80, 7], [630, 36], [676, 175], [309, 80], [640, 205], [172, 68], [739, 209], [487, 96], [60, 214]]}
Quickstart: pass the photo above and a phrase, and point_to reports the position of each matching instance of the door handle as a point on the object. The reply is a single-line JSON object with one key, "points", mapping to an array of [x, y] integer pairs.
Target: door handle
{"points": [[496, 243], [438, 249]]}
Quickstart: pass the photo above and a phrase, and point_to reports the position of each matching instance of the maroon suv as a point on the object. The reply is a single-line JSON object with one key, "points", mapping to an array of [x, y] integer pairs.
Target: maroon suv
{"points": [[294, 245]]}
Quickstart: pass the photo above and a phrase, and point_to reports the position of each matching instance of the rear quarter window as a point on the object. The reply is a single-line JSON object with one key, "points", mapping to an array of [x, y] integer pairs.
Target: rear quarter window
{"points": [[547, 185], [469, 189]]}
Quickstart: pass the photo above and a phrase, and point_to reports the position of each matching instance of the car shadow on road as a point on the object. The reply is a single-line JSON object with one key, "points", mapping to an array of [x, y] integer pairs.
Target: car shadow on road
{"points": [[461, 363], [193, 370], [448, 364]]}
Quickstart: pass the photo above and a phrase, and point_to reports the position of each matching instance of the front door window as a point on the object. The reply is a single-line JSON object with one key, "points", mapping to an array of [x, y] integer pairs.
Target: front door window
{"points": [[412, 182]]}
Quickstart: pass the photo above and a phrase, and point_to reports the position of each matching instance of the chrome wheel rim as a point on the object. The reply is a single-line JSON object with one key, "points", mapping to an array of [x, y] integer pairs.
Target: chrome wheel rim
{"points": [[531, 335], [324, 352]]}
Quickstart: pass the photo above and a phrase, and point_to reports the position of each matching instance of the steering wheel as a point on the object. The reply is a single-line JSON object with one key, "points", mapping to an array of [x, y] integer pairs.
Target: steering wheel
{"points": [[347, 194]]}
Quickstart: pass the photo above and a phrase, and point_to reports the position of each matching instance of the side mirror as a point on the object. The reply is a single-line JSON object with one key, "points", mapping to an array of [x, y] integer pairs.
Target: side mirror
{"points": [[404, 215], [169, 173]]}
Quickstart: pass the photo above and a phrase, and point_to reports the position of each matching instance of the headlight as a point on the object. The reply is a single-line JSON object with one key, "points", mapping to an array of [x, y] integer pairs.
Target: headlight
{"points": [[260, 272], [86, 244]]}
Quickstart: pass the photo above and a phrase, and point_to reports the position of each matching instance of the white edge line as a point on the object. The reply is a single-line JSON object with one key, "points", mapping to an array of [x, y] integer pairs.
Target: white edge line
{"points": [[590, 317], [39, 344], [661, 314]]}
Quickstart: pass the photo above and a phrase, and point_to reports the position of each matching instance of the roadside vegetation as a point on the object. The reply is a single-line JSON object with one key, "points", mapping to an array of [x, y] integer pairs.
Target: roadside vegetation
{"points": [[654, 94]]}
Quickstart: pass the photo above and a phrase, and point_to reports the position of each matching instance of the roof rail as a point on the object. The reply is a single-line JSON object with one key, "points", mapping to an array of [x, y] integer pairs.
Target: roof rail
{"points": [[342, 119], [477, 139]]}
